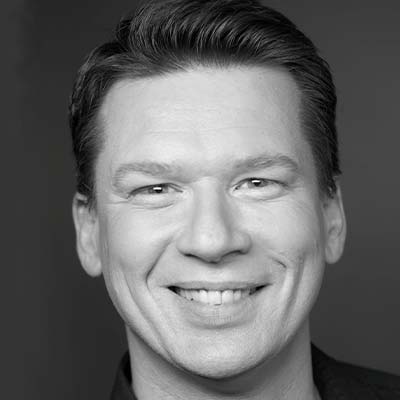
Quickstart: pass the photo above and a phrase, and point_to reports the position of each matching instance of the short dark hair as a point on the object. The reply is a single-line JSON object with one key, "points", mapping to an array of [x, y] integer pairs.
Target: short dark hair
{"points": [[175, 35]]}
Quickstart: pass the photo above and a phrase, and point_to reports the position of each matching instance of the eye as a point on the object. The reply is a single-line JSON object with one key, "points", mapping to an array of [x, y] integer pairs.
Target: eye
{"points": [[152, 190], [159, 195], [255, 183], [259, 188]]}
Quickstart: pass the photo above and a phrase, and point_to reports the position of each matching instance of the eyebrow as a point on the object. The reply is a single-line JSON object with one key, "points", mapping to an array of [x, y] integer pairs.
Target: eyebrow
{"points": [[145, 167], [266, 161], [157, 169]]}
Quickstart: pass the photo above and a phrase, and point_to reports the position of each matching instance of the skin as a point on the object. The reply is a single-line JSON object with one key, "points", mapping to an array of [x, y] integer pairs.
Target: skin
{"points": [[215, 219]]}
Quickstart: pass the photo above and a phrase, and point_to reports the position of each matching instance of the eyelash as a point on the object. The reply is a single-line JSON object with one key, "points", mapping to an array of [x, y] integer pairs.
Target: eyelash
{"points": [[268, 182], [149, 187], [143, 190]]}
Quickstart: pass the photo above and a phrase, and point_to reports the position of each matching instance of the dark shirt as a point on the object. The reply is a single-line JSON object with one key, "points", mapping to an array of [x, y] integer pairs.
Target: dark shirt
{"points": [[335, 381]]}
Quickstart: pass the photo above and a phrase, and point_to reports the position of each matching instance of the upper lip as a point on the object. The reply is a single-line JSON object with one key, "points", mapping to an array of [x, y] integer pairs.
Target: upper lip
{"points": [[220, 286]]}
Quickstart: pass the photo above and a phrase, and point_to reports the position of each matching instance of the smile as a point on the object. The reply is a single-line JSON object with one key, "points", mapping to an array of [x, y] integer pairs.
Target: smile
{"points": [[215, 297]]}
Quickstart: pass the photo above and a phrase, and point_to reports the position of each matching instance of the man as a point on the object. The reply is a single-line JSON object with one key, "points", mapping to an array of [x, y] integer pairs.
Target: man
{"points": [[208, 198]]}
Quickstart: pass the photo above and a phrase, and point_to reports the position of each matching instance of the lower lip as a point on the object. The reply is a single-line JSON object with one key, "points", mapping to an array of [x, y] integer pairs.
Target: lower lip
{"points": [[221, 315]]}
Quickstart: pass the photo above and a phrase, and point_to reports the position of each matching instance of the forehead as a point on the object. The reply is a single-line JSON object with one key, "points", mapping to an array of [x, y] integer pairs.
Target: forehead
{"points": [[204, 113]]}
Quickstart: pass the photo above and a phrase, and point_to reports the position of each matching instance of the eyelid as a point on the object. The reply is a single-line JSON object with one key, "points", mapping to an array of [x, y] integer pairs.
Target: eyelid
{"points": [[253, 178], [144, 188]]}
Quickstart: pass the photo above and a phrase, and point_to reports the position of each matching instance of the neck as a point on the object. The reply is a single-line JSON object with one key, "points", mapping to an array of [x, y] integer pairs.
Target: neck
{"points": [[288, 375]]}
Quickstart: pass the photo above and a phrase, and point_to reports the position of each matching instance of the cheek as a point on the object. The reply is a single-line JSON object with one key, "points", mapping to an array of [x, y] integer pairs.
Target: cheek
{"points": [[131, 245], [291, 231], [297, 231], [132, 242], [297, 243], [303, 244]]}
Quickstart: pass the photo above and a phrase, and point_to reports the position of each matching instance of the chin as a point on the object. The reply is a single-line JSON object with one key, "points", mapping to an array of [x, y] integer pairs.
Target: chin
{"points": [[219, 365], [233, 358], [220, 370]]}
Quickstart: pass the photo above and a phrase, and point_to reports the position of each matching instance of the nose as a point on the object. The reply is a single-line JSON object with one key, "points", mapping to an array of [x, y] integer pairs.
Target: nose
{"points": [[211, 230]]}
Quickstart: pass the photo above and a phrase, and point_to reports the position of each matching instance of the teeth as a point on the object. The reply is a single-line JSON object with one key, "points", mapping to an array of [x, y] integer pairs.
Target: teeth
{"points": [[195, 295], [203, 296], [227, 296], [215, 297], [236, 295]]}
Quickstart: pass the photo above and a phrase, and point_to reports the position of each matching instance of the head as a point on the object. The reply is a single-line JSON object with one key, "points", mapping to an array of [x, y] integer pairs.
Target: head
{"points": [[170, 36], [206, 150]]}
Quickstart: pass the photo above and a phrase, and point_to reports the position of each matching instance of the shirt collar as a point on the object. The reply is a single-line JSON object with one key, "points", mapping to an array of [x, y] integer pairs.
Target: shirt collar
{"points": [[122, 389], [335, 381]]}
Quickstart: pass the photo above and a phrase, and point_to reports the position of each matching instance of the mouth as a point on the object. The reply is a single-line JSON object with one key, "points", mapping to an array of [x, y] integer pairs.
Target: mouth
{"points": [[215, 297]]}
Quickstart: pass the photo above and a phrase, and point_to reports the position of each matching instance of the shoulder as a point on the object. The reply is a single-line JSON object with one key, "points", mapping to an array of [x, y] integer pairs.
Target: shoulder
{"points": [[336, 379], [385, 385]]}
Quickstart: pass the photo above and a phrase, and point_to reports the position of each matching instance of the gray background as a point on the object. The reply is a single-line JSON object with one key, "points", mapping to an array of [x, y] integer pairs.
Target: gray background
{"points": [[62, 338]]}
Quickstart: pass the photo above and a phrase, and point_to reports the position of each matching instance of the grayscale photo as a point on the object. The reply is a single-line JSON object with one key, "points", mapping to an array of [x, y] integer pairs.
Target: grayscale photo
{"points": [[206, 200]]}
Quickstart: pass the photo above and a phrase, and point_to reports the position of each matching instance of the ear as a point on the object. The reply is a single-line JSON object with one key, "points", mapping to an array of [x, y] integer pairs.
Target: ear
{"points": [[87, 235], [335, 226]]}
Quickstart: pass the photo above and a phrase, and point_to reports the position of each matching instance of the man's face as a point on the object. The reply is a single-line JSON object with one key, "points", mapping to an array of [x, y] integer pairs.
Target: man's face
{"points": [[210, 229]]}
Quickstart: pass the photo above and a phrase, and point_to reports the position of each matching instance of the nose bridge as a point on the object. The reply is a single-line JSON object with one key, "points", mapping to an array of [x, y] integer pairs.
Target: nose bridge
{"points": [[211, 219], [210, 230]]}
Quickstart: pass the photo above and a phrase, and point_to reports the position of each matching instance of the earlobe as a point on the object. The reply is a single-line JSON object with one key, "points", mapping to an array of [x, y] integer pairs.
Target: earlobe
{"points": [[87, 240], [335, 223]]}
